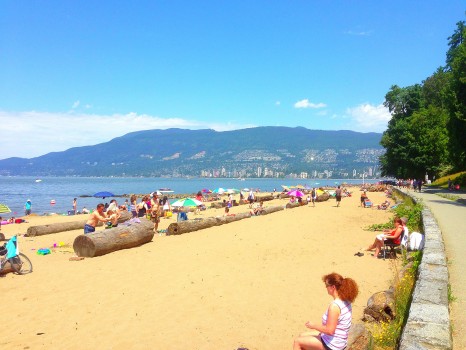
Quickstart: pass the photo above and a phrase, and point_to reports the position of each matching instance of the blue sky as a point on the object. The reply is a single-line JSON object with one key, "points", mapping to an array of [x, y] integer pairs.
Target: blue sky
{"points": [[75, 73]]}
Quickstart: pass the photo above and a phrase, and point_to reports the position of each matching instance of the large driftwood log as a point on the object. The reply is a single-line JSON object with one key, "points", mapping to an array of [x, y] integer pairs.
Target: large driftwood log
{"points": [[292, 205], [109, 240], [323, 197], [179, 228], [270, 210], [6, 269], [264, 197], [380, 307], [65, 226]]}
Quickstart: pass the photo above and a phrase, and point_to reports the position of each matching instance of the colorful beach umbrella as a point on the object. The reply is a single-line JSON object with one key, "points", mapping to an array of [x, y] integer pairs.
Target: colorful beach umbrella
{"points": [[296, 193], [187, 202], [206, 190], [219, 190], [4, 209]]}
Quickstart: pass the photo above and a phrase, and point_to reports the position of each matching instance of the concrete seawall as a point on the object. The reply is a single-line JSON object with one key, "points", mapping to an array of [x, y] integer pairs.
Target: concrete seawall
{"points": [[428, 324]]}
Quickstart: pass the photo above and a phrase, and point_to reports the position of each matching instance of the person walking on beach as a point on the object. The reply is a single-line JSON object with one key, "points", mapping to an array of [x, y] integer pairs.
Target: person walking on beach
{"points": [[336, 321], [75, 206], [27, 207], [155, 212], [338, 195], [95, 217], [314, 196]]}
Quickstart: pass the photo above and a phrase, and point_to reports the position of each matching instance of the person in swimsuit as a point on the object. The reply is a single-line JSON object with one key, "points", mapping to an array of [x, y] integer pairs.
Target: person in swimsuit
{"points": [[338, 195], [95, 217]]}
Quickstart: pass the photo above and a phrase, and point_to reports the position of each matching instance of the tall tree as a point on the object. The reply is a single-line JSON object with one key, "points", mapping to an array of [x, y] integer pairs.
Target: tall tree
{"points": [[456, 60]]}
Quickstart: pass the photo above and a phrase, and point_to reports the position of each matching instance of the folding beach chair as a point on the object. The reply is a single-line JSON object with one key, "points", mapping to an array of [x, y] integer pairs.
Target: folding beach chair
{"points": [[367, 203], [392, 246]]}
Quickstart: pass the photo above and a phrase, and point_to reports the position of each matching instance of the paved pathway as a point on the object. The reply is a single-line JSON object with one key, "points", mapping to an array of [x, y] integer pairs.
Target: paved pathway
{"points": [[451, 218]]}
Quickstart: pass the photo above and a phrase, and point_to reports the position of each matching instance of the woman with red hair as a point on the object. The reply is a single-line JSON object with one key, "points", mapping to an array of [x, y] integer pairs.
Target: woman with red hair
{"points": [[336, 321], [392, 236]]}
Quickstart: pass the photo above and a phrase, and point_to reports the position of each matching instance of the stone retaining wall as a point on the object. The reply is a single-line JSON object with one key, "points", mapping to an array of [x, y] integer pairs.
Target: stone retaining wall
{"points": [[428, 324]]}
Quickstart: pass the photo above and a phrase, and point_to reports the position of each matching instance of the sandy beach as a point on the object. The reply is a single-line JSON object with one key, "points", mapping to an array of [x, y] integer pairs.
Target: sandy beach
{"points": [[251, 283]]}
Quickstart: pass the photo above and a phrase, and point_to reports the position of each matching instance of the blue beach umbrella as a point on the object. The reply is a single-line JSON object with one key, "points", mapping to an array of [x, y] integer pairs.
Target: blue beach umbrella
{"points": [[103, 194]]}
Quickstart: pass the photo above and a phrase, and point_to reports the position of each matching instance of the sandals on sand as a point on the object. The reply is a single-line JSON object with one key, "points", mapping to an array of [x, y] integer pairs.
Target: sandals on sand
{"points": [[359, 254]]}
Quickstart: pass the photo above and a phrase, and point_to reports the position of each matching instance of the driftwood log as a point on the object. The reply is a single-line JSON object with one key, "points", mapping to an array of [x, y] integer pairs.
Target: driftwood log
{"points": [[41, 230], [323, 197], [292, 205], [6, 269], [265, 197], [380, 307], [179, 228], [110, 240]]}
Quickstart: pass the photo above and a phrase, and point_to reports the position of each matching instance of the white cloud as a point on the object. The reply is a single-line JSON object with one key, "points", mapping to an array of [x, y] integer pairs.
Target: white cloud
{"points": [[31, 134], [306, 104], [368, 118], [75, 104], [277, 103], [359, 33]]}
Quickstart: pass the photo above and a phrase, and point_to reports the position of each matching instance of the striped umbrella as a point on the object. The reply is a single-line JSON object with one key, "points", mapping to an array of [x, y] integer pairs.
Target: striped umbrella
{"points": [[187, 202], [4, 209]]}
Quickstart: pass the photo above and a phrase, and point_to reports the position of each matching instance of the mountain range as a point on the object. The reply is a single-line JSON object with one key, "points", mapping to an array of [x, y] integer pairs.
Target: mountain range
{"points": [[277, 151]]}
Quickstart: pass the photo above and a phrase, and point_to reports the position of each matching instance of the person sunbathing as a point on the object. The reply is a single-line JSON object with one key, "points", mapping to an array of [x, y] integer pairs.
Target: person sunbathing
{"points": [[391, 236], [384, 205], [258, 209]]}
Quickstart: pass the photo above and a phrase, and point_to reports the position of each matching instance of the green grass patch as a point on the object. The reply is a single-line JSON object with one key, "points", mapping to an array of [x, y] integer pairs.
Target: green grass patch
{"points": [[451, 197], [455, 178], [386, 335]]}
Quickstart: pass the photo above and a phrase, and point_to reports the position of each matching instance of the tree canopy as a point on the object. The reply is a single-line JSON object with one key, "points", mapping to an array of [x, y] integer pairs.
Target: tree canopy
{"points": [[427, 131]]}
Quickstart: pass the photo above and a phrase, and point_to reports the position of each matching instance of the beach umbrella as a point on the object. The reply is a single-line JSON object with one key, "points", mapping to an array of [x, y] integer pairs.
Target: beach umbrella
{"points": [[4, 209], [233, 190], [219, 190], [206, 190], [103, 194], [296, 193], [187, 202]]}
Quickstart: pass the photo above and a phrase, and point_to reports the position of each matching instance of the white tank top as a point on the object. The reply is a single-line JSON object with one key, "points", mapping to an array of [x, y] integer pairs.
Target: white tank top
{"points": [[339, 339]]}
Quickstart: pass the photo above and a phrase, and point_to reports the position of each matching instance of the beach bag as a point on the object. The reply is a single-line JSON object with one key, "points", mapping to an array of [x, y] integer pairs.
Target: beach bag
{"points": [[416, 241]]}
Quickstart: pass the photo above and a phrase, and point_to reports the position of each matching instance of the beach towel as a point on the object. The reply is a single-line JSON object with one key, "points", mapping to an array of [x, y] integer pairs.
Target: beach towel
{"points": [[416, 241]]}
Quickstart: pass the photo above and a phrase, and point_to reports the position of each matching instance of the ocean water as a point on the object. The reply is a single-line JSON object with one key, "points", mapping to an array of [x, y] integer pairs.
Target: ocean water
{"points": [[16, 190]]}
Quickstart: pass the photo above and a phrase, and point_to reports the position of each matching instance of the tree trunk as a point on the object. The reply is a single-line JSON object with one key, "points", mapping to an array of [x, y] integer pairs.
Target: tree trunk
{"points": [[65, 226], [110, 240]]}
